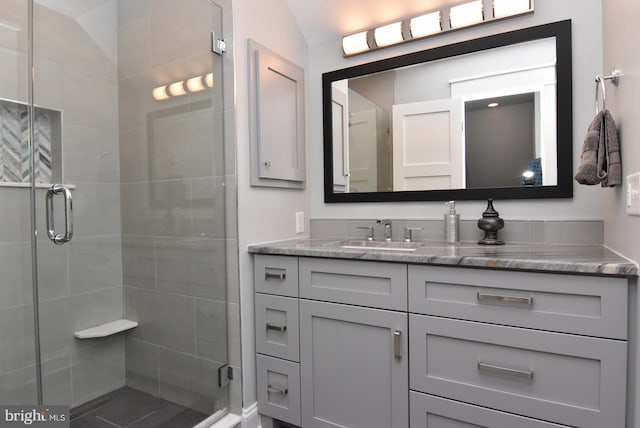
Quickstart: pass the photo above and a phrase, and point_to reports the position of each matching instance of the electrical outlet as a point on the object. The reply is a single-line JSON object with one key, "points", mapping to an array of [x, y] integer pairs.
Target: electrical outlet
{"points": [[633, 194], [300, 222]]}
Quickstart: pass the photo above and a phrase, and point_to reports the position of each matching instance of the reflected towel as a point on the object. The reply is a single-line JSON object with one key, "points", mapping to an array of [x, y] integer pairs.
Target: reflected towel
{"points": [[600, 160]]}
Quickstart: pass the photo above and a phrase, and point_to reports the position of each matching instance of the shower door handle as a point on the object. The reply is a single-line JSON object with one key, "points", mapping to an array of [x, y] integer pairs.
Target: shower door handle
{"points": [[57, 238]]}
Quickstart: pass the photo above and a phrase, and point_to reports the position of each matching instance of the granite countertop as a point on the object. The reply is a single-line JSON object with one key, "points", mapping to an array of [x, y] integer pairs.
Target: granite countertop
{"points": [[586, 259]]}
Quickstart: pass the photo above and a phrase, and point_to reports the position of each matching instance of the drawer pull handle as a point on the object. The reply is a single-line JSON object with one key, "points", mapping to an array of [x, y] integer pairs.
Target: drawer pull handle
{"points": [[483, 297], [279, 391], [489, 368], [280, 328], [270, 275], [397, 344]]}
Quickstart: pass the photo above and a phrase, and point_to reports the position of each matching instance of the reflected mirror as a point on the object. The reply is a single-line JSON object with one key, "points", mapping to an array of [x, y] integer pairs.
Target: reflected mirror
{"points": [[489, 117]]}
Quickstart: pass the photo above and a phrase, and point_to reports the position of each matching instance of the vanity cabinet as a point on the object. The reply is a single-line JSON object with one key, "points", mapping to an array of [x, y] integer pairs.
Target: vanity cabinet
{"points": [[383, 344], [353, 366]]}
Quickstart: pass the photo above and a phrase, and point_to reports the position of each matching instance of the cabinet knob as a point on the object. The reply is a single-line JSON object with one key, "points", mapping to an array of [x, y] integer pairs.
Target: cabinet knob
{"points": [[267, 163]]}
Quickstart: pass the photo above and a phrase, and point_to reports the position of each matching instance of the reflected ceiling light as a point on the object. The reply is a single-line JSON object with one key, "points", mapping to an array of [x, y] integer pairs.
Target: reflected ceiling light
{"points": [[425, 25], [388, 35], [504, 8], [195, 84], [432, 23], [355, 43], [183, 87], [160, 93], [492, 105], [466, 14]]}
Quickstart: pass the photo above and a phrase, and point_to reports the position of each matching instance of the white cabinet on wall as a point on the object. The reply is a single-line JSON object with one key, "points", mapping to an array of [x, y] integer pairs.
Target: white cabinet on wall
{"points": [[277, 118]]}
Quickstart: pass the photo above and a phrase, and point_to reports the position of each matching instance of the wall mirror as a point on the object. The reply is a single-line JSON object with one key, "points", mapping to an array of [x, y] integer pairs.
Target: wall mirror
{"points": [[489, 117]]}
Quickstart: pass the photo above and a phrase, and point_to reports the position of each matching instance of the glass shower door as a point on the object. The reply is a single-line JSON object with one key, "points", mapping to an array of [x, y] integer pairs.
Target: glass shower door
{"points": [[131, 99], [17, 334]]}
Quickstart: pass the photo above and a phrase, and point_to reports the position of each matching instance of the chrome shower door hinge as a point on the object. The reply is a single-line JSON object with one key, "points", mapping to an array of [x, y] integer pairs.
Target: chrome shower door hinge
{"points": [[218, 45], [225, 375]]}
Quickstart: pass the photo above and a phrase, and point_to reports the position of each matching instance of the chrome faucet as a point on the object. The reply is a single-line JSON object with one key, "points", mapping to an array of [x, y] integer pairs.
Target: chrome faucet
{"points": [[387, 228]]}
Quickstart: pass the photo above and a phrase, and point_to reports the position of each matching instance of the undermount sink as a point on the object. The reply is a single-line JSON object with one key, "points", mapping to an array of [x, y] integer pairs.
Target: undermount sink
{"points": [[380, 245]]}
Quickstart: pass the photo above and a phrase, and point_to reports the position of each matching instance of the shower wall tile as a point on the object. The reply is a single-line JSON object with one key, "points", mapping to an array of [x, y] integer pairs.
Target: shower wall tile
{"points": [[161, 208], [60, 318], [90, 100], [231, 206], [15, 283], [142, 365], [133, 33], [56, 381], [98, 367], [139, 262], [208, 207], [19, 386], [53, 271], [191, 381], [13, 75], [233, 291], [94, 308], [164, 319], [188, 24], [94, 263], [90, 154], [16, 338], [211, 329], [14, 212], [134, 156], [233, 321], [192, 267], [96, 209]]}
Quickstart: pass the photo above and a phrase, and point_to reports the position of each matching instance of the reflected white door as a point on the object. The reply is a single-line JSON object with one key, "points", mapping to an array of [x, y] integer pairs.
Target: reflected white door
{"points": [[340, 114], [428, 145], [363, 151]]}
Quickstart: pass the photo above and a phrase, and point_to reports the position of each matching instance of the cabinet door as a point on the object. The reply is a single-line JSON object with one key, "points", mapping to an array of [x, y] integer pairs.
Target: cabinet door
{"points": [[428, 411], [354, 366]]}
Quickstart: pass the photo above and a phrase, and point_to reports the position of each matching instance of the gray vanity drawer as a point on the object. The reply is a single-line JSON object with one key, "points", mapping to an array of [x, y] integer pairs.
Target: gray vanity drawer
{"points": [[363, 283], [568, 379], [278, 389], [277, 330], [588, 305], [428, 411], [276, 275]]}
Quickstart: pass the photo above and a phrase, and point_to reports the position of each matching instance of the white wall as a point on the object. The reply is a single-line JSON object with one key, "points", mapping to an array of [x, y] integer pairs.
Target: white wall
{"points": [[264, 214], [587, 202], [621, 36]]}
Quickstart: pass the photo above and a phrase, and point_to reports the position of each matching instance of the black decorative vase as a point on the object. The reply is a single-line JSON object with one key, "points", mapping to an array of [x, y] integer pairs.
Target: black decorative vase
{"points": [[491, 223]]}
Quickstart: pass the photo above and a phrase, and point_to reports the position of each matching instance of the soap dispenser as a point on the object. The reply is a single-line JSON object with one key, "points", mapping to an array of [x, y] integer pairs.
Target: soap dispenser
{"points": [[451, 224]]}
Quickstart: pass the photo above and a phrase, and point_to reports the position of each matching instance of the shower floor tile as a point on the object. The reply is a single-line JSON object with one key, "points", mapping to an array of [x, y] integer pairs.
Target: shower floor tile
{"points": [[127, 407]]}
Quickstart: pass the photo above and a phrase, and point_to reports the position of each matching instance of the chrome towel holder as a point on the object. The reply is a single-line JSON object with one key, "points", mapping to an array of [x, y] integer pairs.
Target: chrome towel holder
{"points": [[600, 79]]}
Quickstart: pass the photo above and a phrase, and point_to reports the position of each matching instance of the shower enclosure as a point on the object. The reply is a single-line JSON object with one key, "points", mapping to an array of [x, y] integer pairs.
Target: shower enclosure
{"points": [[121, 103]]}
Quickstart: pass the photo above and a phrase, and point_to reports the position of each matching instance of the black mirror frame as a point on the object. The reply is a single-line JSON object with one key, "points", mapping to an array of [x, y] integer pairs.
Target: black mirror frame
{"points": [[564, 118]]}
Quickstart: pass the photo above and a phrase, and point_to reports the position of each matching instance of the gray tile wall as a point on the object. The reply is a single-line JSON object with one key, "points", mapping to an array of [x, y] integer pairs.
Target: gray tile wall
{"points": [[179, 248], [80, 283], [581, 232]]}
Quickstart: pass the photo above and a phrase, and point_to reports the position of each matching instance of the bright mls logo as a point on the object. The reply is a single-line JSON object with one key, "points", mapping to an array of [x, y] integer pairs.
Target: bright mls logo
{"points": [[34, 416]]}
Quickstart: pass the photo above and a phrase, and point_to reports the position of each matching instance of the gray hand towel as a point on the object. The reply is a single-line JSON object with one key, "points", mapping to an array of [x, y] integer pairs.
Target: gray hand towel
{"points": [[612, 167], [588, 169], [600, 161]]}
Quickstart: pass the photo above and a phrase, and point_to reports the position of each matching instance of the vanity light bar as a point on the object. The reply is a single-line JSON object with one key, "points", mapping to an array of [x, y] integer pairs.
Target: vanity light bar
{"points": [[439, 21], [182, 87]]}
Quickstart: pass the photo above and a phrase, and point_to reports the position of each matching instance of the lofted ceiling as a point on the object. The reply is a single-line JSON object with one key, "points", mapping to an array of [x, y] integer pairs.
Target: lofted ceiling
{"points": [[324, 20]]}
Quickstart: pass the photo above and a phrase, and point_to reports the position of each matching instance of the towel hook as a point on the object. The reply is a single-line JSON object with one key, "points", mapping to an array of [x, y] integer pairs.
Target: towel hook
{"points": [[615, 79]]}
